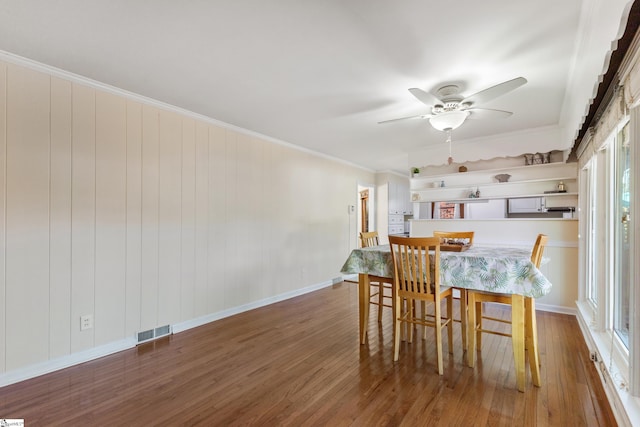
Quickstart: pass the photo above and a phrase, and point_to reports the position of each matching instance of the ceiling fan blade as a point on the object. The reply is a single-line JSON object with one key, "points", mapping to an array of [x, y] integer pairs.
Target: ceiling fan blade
{"points": [[420, 116], [425, 97], [484, 113], [494, 91]]}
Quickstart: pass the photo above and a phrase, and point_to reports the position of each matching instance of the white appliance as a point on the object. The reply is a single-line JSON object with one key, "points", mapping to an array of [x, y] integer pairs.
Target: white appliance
{"points": [[527, 205], [494, 208]]}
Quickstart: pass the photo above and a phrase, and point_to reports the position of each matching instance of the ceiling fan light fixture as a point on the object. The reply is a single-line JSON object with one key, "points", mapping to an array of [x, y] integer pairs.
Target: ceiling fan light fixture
{"points": [[448, 120]]}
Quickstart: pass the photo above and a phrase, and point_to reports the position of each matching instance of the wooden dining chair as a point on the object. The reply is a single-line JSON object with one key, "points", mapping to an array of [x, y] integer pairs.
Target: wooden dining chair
{"points": [[530, 343], [417, 279], [378, 284], [468, 236]]}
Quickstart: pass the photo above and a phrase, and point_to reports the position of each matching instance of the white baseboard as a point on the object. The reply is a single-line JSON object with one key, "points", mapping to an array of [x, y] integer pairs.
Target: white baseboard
{"points": [[63, 362], [193, 323], [556, 309]]}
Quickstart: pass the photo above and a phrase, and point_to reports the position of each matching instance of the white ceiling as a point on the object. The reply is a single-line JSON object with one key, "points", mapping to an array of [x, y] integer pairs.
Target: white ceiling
{"points": [[321, 74]]}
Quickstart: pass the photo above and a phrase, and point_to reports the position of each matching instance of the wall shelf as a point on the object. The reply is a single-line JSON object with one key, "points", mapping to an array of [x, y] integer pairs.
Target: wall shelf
{"points": [[525, 181], [486, 199]]}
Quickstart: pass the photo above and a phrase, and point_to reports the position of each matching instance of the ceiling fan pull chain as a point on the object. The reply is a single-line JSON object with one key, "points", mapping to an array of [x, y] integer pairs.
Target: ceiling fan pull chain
{"points": [[450, 159]]}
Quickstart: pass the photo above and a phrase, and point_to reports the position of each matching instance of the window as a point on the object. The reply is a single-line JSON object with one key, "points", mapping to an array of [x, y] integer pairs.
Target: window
{"points": [[606, 197], [621, 237], [609, 296], [589, 190]]}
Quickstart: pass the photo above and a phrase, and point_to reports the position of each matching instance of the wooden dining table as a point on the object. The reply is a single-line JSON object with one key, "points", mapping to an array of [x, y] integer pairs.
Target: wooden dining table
{"points": [[502, 270]]}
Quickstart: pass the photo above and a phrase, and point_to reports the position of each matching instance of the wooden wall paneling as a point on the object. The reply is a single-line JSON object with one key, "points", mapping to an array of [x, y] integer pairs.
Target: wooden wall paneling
{"points": [[309, 193], [285, 223], [276, 232], [201, 218], [150, 207], [335, 237], [3, 231], [83, 200], [316, 207], [291, 203], [134, 218], [243, 196], [269, 218], [331, 226], [343, 185], [188, 255], [60, 234], [244, 240], [281, 229], [298, 202], [219, 278], [169, 245], [27, 217], [111, 217], [233, 266], [257, 208]]}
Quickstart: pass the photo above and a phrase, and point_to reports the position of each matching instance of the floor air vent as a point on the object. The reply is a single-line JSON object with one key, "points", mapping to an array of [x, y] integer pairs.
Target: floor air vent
{"points": [[152, 334]]}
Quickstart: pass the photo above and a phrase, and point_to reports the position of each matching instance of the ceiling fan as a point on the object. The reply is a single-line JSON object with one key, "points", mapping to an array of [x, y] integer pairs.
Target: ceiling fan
{"points": [[449, 109]]}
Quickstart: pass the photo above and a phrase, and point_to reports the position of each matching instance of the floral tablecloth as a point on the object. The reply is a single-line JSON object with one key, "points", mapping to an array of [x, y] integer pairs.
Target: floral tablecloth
{"points": [[492, 269]]}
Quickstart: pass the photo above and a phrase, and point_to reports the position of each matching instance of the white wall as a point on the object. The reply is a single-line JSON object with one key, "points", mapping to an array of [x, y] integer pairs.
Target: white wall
{"points": [[142, 216]]}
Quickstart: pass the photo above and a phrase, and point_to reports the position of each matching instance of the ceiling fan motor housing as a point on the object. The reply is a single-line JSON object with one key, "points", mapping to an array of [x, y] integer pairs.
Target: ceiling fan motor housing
{"points": [[451, 99], [448, 106]]}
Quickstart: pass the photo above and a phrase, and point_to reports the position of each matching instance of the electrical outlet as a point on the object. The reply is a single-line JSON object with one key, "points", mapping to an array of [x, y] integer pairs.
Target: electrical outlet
{"points": [[86, 322]]}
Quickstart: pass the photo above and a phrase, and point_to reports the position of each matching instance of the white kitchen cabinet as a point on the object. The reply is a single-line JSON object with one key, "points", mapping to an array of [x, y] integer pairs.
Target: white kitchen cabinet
{"points": [[399, 205], [400, 199], [396, 224]]}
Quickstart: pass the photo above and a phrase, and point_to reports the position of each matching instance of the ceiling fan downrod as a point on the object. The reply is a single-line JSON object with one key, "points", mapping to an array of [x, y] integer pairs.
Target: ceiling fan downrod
{"points": [[450, 159]]}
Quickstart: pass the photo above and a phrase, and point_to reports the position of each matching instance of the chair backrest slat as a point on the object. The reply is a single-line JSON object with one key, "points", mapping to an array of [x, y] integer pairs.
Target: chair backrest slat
{"points": [[414, 271], [369, 239]]}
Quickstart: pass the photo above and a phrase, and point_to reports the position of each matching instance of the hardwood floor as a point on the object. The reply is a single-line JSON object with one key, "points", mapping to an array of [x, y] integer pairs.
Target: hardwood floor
{"points": [[298, 363]]}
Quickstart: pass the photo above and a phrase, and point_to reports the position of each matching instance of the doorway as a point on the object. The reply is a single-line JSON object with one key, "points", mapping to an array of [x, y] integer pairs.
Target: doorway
{"points": [[366, 210]]}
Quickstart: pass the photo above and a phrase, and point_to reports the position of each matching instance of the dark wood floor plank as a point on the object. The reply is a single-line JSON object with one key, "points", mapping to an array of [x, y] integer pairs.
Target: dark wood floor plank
{"points": [[299, 363]]}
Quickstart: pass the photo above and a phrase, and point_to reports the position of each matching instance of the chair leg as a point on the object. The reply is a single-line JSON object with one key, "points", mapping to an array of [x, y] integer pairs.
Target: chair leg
{"points": [[471, 329], [518, 338], [531, 339], [364, 289], [450, 323], [464, 320], [380, 300], [478, 325], [438, 326], [394, 304], [423, 314], [411, 312], [396, 330]]}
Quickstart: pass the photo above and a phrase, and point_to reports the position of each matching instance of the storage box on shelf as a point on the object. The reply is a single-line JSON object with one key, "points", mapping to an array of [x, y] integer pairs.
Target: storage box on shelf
{"points": [[525, 181]]}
